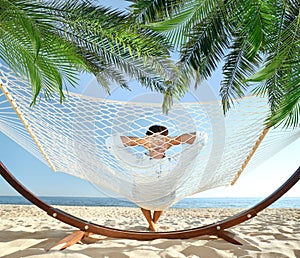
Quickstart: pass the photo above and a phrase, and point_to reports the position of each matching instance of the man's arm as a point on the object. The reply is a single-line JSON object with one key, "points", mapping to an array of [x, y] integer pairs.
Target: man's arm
{"points": [[188, 138], [132, 141]]}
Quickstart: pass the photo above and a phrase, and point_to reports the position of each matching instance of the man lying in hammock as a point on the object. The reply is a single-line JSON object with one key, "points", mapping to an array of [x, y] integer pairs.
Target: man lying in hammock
{"points": [[157, 142]]}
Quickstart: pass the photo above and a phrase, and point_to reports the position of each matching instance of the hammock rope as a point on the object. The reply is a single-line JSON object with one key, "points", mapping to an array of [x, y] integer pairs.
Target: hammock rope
{"points": [[82, 137]]}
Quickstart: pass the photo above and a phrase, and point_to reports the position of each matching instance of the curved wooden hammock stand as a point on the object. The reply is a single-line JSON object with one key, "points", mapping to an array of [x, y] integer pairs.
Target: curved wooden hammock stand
{"points": [[86, 228]]}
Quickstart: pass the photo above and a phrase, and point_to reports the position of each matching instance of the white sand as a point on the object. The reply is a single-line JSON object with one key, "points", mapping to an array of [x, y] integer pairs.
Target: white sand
{"points": [[25, 231]]}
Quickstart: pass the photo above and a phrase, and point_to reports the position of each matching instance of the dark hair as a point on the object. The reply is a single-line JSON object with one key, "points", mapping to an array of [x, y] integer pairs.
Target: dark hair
{"points": [[157, 129]]}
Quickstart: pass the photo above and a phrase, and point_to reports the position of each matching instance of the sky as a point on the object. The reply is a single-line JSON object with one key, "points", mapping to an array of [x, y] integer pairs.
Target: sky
{"points": [[40, 179]]}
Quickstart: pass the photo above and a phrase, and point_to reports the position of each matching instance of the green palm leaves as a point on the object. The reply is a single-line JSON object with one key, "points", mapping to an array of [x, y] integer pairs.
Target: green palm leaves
{"points": [[30, 46], [280, 73], [50, 41], [255, 41]]}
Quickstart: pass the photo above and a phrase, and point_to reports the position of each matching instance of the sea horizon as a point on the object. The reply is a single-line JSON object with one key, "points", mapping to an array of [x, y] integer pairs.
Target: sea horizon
{"points": [[191, 202]]}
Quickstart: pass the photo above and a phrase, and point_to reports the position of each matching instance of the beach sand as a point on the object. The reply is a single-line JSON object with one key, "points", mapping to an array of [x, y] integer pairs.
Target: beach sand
{"points": [[26, 231]]}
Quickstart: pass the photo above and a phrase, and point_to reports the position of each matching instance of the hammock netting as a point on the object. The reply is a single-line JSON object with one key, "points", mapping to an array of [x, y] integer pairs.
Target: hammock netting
{"points": [[82, 137]]}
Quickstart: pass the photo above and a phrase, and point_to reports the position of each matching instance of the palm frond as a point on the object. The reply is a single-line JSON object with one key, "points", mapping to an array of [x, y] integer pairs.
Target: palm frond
{"points": [[138, 52], [178, 25], [260, 40], [281, 69], [207, 43], [236, 69], [288, 110], [30, 50], [147, 11], [85, 38]]}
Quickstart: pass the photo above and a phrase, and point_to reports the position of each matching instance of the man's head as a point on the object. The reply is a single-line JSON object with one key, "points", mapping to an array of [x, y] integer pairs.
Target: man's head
{"points": [[157, 129]]}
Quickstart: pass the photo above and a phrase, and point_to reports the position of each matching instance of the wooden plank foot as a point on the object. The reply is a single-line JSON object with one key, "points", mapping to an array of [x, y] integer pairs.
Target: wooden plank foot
{"points": [[229, 237], [69, 240], [87, 239]]}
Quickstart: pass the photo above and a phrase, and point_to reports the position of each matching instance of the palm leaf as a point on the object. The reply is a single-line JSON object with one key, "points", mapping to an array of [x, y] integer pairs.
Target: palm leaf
{"points": [[28, 48], [146, 11], [89, 38], [288, 111], [207, 42], [236, 68]]}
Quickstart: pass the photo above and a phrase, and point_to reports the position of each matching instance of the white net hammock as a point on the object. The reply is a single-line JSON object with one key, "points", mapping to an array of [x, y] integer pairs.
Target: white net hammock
{"points": [[82, 137]]}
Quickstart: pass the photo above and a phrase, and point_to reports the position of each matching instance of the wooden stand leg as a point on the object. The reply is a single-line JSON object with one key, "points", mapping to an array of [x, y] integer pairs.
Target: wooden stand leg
{"points": [[229, 237], [69, 240], [73, 239]]}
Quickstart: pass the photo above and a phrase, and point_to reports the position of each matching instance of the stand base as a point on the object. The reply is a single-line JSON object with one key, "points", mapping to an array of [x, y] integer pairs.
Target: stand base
{"points": [[85, 237]]}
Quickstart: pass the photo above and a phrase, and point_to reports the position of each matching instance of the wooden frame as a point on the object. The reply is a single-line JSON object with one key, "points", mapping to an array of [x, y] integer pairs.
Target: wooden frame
{"points": [[86, 228]]}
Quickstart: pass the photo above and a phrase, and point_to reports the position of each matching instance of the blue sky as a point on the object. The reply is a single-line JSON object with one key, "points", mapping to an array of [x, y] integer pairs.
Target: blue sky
{"points": [[42, 181]]}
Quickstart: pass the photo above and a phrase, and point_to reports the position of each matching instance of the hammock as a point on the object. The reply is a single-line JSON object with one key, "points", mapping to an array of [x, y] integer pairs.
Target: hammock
{"points": [[82, 138]]}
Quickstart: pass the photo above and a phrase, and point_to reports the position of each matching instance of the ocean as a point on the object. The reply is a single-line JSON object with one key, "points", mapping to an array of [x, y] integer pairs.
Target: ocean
{"points": [[285, 202]]}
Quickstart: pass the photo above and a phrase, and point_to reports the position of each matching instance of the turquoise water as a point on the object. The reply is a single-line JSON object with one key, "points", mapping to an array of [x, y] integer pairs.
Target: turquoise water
{"points": [[286, 202]]}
